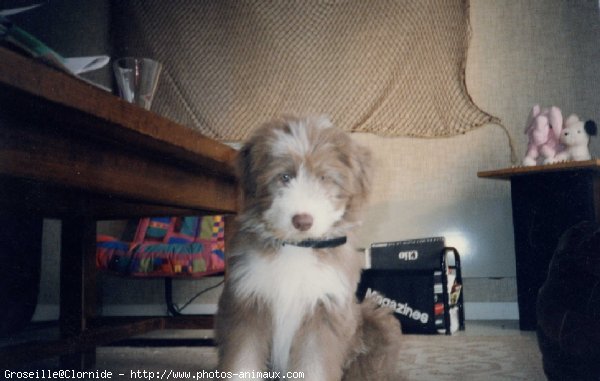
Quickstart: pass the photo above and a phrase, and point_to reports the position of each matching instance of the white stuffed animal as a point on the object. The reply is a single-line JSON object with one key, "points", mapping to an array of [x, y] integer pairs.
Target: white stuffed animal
{"points": [[575, 138]]}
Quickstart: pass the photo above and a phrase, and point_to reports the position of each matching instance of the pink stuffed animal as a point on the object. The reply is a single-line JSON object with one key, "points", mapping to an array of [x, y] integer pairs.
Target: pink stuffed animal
{"points": [[543, 129]]}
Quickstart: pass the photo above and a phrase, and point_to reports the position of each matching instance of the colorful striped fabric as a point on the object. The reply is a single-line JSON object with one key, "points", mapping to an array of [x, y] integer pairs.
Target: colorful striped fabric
{"points": [[167, 246]]}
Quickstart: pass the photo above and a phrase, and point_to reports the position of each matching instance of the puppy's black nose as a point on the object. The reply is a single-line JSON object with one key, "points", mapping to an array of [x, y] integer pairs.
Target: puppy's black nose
{"points": [[302, 221]]}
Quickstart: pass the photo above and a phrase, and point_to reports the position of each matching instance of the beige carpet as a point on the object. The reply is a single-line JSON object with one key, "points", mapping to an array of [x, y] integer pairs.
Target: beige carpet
{"points": [[428, 358], [471, 358]]}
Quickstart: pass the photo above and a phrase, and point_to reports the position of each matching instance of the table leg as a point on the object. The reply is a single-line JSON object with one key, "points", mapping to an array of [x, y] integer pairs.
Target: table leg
{"points": [[20, 255], [77, 286]]}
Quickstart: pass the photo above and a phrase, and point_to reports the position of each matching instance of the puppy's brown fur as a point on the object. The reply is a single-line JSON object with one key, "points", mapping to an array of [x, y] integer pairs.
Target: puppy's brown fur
{"points": [[336, 338]]}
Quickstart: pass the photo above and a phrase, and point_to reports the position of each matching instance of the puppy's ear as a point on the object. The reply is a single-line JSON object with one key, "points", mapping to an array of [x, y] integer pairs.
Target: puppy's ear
{"points": [[244, 166], [362, 170]]}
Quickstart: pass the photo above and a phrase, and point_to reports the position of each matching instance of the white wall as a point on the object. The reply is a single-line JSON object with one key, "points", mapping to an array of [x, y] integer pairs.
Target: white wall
{"points": [[521, 53]]}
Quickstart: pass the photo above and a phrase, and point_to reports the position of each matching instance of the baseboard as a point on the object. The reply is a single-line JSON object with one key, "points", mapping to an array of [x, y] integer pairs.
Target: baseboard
{"points": [[491, 311], [45, 312], [473, 311], [155, 309]]}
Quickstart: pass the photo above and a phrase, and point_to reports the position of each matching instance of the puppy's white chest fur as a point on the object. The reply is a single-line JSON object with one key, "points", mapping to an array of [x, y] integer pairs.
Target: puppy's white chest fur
{"points": [[292, 283]]}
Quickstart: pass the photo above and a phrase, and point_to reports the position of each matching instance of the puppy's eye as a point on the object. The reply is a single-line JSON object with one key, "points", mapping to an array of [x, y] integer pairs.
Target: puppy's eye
{"points": [[326, 179], [285, 178]]}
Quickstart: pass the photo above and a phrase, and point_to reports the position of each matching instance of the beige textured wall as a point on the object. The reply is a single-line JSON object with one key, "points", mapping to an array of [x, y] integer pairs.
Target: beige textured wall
{"points": [[521, 53]]}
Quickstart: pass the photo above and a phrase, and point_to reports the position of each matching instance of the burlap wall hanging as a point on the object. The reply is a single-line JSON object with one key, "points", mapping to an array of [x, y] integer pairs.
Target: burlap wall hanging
{"points": [[391, 67]]}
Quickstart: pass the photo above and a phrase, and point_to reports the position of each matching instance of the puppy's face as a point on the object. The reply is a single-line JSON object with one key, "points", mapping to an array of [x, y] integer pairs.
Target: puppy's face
{"points": [[302, 178]]}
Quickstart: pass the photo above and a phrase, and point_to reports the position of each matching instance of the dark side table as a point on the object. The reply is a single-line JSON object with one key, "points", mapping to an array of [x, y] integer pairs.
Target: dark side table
{"points": [[546, 201]]}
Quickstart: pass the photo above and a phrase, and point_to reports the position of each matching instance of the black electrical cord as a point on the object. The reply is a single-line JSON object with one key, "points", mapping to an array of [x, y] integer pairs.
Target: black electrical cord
{"points": [[175, 310]]}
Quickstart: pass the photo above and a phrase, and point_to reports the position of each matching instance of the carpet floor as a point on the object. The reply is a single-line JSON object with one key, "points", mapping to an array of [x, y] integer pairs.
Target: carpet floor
{"points": [[430, 358], [487, 351]]}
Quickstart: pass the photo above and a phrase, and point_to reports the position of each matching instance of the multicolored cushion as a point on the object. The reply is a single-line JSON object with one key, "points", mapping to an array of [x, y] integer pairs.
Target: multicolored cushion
{"points": [[167, 246]]}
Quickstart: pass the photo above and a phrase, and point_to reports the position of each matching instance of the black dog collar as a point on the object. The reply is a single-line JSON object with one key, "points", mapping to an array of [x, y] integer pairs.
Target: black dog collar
{"points": [[318, 243]]}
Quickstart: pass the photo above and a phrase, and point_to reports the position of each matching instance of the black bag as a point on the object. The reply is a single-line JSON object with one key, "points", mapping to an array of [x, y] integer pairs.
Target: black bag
{"points": [[424, 292]]}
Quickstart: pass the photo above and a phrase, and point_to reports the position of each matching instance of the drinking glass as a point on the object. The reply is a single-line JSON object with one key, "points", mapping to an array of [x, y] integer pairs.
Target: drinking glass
{"points": [[137, 79]]}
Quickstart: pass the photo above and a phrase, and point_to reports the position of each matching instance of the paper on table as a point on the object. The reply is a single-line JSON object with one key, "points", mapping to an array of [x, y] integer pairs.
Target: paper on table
{"points": [[78, 65], [36, 48], [14, 11]]}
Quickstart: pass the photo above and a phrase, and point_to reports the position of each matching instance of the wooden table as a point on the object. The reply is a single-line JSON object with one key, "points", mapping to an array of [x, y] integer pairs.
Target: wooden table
{"points": [[71, 151], [546, 201]]}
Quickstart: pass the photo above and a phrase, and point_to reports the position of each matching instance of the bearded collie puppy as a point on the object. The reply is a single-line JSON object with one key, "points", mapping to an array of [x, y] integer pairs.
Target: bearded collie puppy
{"points": [[289, 299]]}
